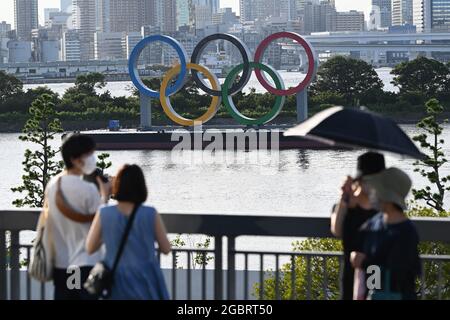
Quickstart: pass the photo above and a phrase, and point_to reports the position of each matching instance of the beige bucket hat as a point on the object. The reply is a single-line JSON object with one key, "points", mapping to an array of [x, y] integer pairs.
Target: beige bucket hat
{"points": [[391, 185]]}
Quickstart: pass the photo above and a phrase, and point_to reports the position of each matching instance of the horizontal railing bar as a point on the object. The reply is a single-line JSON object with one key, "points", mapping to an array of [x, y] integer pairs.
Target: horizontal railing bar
{"points": [[430, 257], [193, 250], [430, 229], [296, 253]]}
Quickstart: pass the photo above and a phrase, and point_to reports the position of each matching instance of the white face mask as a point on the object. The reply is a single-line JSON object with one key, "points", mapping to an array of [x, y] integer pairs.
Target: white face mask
{"points": [[90, 164]]}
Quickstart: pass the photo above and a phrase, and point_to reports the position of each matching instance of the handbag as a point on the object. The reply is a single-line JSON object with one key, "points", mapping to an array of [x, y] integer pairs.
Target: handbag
{"points": [[100, 279], [42, 259], [386, 293]]}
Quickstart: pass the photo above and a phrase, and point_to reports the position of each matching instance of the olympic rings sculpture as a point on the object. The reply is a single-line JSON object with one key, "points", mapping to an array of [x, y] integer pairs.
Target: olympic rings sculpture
{"points": [[226, 91]]}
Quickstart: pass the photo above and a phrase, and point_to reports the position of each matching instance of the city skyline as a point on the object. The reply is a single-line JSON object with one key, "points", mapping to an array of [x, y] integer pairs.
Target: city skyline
{"points": [[7, 7]]}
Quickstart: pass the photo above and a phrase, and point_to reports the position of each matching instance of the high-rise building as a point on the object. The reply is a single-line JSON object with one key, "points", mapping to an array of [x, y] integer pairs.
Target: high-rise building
{"points": [[108, 45], [432, 15], [350, 21], [122, 16], [65, 5], [84, 12], [167, 11], [319, 17], [185, 13], [47, 12], [402, 12], [71, 46], [383, 10], [225, 16], [251, 10], [129, 41], [288, 9], [25, 17], [4, 28], [203, 11]]}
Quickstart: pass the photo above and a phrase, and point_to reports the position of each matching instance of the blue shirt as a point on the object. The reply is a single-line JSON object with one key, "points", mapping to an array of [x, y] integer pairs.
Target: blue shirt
{"points": [[394, 248], [138, 275]]}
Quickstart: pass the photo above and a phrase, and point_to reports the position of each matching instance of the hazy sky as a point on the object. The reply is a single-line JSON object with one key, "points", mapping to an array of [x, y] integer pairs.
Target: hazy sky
{"points": [[7, 7]]}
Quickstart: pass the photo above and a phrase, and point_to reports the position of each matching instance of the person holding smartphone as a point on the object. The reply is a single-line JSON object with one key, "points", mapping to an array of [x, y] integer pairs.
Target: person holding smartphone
{"points": [[72, 203], [354, 208]]}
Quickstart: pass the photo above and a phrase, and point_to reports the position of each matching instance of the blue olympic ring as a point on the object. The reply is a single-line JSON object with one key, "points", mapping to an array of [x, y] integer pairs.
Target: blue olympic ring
{"points": [[133, 68]]}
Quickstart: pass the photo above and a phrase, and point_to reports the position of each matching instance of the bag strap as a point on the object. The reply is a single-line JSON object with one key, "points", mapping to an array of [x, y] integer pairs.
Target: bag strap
{"points": [[124, 237], [67, 210]]}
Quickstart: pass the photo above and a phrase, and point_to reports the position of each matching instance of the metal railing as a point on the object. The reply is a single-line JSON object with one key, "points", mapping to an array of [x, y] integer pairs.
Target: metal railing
{"points": [[223, 278]]}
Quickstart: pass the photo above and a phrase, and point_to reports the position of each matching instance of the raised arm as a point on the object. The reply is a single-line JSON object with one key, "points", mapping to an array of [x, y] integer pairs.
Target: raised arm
{"points": [[161, 235], [94, 238], [340, 209], [337, 218]]}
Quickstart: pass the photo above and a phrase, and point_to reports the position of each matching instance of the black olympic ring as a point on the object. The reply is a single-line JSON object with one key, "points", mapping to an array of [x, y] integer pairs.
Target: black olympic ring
{"points": [[244, 51]]}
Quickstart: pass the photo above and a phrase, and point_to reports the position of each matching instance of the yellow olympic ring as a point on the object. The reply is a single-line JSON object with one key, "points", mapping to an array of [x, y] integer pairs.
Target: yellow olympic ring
{"points": [[167, 106]]}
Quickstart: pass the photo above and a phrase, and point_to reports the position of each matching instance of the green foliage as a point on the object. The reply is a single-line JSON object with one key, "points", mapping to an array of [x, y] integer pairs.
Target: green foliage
{"points": [[198, 259], [39, 164], [320, 269], [201, 258], [87, 83], [9, 86], [341, 81], [435, 159], [428, 77], [351, 78], [103, 163], [432, 270]]}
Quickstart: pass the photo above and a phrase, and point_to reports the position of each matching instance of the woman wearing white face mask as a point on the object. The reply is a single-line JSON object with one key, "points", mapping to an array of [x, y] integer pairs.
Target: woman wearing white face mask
{"points": [[72, 203]]}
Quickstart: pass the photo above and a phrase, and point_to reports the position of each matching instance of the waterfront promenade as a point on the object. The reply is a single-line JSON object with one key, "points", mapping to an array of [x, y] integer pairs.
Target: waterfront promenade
{"points": [[227, 274]]}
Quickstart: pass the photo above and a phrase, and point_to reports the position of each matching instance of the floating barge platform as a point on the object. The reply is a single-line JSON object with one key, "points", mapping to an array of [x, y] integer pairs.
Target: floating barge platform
{"points": [[228, 138]]}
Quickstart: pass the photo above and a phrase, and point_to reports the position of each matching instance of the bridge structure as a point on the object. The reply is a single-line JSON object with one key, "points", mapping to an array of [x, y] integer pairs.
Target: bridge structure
{"points": [[372, 45]]}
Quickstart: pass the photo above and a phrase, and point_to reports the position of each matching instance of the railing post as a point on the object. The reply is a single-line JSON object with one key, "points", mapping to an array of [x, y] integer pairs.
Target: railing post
{"points": [[218, 274], [231, 274], [15, 265], [3, 252]]}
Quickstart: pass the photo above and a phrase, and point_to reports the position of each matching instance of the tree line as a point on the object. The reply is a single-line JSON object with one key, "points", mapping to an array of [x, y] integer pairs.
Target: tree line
{"points": [[340, 81]]}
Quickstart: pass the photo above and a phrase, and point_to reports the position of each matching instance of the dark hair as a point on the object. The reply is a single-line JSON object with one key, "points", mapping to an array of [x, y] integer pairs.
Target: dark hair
{"points": [[129, 185], [370, 163], [74, 146]]}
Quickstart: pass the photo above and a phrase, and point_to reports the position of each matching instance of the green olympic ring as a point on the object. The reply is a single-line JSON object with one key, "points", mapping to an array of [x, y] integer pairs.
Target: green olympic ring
{"points": [[231, 107]]}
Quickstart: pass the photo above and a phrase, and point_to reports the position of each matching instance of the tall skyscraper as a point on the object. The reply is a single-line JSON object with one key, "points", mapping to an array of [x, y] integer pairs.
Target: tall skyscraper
{"points": [[319, 17], [65, 5], [383, 8], [167, 15], [251, 10], [431, 15], [184, 13], [47, 12], [25, 18], [84, 12], [122, 16], [4, 28], [203, 12], [288, 9], [402, 12]]}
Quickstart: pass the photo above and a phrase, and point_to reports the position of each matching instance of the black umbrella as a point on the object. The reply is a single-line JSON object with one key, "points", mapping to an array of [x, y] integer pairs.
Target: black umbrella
{"points": [[338, 126]]}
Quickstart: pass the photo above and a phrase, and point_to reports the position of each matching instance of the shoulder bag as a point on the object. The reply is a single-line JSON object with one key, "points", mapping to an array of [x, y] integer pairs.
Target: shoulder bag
{"points": [[100, 279], [42, 260]]}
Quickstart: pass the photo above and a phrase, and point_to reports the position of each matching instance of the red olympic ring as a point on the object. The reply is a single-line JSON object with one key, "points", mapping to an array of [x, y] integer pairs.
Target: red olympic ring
{"points": [[311, 63]]}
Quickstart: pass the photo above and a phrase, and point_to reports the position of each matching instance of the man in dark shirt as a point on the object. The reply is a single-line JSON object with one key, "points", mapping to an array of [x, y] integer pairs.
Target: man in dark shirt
{"points": [[390, 240], [352, 211]]}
